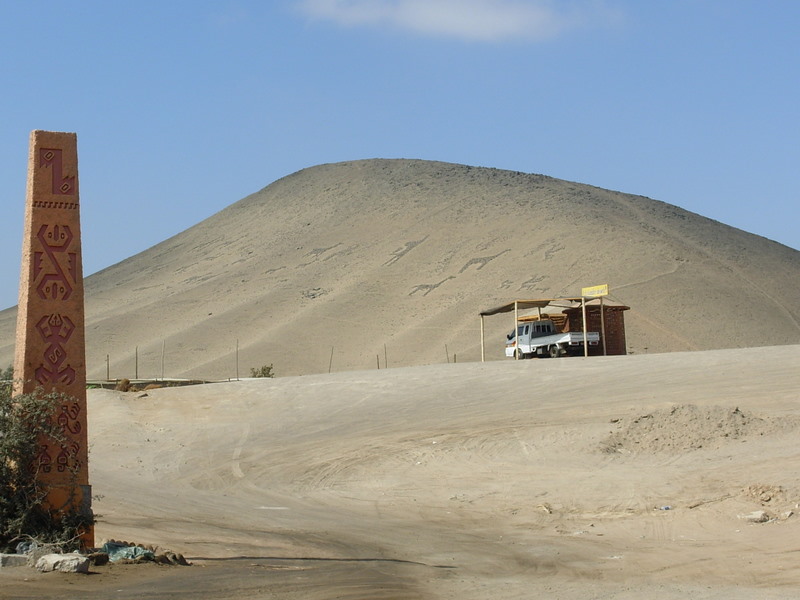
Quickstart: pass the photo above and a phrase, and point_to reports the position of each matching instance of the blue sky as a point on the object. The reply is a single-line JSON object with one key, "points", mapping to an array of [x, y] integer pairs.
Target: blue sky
{"points": [[183, 107]]}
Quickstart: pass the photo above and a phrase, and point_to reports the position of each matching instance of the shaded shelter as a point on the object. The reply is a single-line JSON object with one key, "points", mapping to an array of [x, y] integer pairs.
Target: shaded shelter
{"points": [[568, 315]]}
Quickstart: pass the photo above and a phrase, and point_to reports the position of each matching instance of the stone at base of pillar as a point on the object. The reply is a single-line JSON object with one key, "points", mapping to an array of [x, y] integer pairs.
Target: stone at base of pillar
{"points": [[62, 500], [87, 532]]}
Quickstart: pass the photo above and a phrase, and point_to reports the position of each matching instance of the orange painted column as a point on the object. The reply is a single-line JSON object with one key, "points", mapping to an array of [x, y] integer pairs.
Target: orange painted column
{"points": [[50, 342]]}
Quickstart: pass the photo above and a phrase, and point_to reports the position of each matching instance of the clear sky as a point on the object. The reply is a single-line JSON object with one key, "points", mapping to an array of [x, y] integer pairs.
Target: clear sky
{"points": [[183, 107]]}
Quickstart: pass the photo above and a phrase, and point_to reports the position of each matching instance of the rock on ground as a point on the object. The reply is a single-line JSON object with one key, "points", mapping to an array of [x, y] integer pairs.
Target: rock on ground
{"points": [[64, 563], [13, 560]]}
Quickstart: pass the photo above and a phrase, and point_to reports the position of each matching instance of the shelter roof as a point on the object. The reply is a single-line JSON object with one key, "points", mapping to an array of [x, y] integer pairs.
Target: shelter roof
{"points": [[564, 303], [524, 304]]}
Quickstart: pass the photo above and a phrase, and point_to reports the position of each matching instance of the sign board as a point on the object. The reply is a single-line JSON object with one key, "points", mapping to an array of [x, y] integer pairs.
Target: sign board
{"points": [[595, 291]]}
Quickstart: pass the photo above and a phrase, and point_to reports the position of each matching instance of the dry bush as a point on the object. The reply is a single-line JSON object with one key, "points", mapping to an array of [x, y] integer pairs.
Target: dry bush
{"points": [[262, 371], [24, 420]]}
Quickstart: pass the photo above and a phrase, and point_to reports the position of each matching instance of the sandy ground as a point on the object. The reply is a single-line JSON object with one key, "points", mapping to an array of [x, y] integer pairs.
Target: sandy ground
{"points": [[618, 477]]}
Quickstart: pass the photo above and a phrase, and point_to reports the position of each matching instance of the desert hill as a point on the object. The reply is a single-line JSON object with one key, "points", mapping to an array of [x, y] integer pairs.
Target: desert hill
{"points": [[346, 266]]}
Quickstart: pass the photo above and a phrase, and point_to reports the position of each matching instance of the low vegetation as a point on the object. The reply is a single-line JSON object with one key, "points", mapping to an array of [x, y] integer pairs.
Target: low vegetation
{"points": [[24, 419], [262, 371]]}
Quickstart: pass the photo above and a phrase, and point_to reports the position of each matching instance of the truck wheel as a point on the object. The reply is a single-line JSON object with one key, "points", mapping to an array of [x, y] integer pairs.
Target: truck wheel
{"points": [[555, 351]]}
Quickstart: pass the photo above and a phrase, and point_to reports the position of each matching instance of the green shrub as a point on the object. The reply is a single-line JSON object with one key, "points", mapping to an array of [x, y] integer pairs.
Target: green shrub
{"points": [[263, 371], [23, 419], [6, 381]]}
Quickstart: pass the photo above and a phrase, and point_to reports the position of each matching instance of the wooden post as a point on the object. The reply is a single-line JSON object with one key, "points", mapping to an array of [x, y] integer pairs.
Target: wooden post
{"points": [[483, 347], [516, 334], [603, 325], [50, 341], [585, 337]]}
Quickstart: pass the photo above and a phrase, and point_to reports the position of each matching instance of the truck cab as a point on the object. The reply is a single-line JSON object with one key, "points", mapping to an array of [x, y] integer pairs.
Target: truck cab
{"points": [[526, 332], [532, 329]]}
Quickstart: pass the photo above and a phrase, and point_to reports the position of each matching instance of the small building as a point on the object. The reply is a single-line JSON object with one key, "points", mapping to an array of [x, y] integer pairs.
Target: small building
{"points": [[611, 326]]}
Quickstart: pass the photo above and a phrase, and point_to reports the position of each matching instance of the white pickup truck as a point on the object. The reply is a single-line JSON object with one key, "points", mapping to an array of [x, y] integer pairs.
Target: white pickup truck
{"points": [[540, 338]]}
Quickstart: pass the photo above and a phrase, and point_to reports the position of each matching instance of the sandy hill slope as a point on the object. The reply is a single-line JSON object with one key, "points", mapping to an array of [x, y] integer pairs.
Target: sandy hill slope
{"points": [[344, 266]]}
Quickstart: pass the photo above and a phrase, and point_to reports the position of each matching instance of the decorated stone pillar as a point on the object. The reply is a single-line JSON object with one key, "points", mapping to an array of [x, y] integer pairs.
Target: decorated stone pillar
{"points": [[50, 343]]}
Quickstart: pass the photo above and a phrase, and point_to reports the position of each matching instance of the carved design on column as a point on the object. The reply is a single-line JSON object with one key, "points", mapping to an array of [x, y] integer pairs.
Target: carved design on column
{"points": [[62, 185], [43, 462], [54, 283], [55, 331]]}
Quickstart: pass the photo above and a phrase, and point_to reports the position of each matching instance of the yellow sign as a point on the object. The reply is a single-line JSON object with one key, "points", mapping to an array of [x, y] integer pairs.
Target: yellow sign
{"points": [[595, 291]]}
